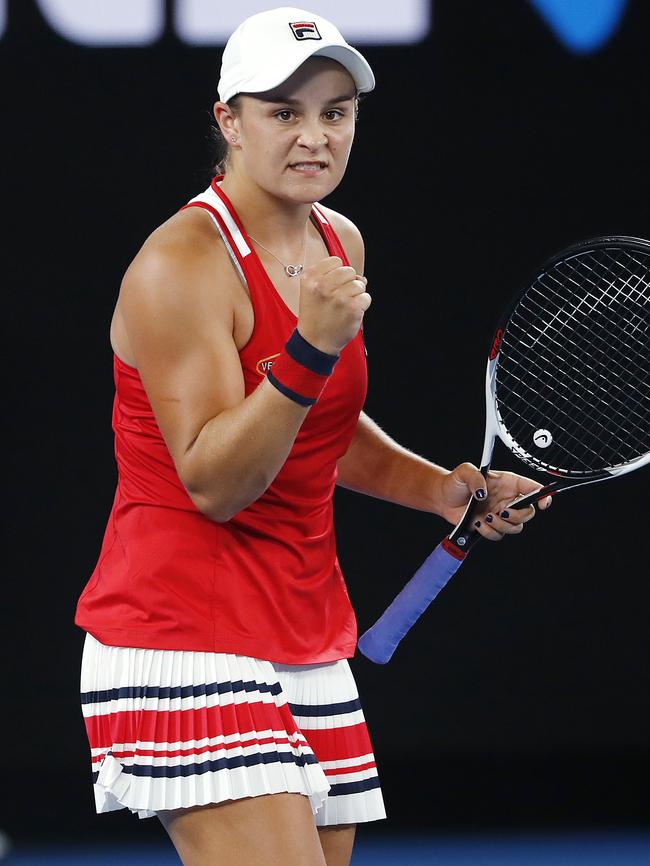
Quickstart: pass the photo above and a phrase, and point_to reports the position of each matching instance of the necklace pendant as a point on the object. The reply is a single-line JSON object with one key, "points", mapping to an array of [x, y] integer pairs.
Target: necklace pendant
{"points": [[293, 270]]}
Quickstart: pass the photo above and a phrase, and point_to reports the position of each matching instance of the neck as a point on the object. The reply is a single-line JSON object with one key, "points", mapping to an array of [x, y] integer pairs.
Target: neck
{"points": [[275, 222]]}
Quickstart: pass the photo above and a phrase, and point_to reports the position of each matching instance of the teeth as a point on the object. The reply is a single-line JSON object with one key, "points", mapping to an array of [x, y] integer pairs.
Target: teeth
{"points": [[308, 166]]}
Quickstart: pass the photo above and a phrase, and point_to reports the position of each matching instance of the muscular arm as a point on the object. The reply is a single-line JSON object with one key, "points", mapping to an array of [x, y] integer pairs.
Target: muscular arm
{"points": [[377, 465], [178, 309], [177, 304]]}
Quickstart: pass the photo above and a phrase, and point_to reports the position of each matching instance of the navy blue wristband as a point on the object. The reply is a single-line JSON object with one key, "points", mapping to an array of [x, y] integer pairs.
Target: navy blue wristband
{"points": [[309, 356]]}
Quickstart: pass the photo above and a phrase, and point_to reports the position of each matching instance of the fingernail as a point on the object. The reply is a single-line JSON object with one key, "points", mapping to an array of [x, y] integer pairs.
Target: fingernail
{"points": [[489, 518], [505, 514], [477, 524], [480, 493]]}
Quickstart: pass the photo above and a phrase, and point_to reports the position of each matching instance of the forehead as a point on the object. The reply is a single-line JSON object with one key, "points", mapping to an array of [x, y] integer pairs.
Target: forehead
{"points": [[319, 78]]}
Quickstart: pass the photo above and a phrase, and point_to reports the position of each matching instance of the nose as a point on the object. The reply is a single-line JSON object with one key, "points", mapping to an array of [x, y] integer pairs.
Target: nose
{"points": [[312, 137]]}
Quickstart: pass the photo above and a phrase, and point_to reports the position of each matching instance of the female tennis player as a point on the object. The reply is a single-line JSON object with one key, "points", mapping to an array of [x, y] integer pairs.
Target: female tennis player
{"points": [[215, 684]]}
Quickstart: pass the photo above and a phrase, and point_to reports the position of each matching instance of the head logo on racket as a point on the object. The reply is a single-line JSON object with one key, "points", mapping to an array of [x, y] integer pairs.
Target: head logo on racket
{"points": [[542, 438], [571, 351]]}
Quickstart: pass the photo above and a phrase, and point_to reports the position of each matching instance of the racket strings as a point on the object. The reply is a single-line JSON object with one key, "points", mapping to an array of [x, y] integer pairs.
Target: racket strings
{"points": [[623, 321], [613, 365], [617, 366], [556, 387], [613, 418], [595, 375], [575, 361], [573, 446], [625, 291], [631, 325], [627, 323], [572, 369]]}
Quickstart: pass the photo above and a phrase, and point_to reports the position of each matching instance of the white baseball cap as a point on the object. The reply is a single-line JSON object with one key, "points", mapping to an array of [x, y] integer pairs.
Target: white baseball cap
{"points": [[268, 47]]}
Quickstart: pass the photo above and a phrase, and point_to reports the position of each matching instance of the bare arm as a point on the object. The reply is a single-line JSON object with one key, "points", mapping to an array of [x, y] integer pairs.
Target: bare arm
{"points": [[377, 465], [179, 319], [178, 309]]}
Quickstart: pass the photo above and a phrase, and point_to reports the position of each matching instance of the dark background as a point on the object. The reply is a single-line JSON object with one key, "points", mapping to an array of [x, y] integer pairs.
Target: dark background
{"points": [[521, 697]]}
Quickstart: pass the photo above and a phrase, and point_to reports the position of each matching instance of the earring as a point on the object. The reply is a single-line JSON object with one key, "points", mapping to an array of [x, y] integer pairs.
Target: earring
{"points": [[233, 138]]}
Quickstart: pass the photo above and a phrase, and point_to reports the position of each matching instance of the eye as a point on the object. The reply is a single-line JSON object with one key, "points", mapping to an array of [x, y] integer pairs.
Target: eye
{"points": [[334, 114], [284, 115]]}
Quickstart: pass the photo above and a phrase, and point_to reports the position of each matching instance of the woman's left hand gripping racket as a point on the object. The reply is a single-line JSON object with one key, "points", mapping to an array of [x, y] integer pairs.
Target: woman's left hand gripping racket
{"points": [[567, 390]]}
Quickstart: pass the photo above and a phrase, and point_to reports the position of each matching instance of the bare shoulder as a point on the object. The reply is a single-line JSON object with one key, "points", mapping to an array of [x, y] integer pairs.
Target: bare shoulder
{"points": [[178, 305], [349, 235], [185, 244]]}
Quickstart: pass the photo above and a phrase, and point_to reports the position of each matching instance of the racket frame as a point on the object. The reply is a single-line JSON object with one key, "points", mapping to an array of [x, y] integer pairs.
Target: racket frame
{"points": [[379, 642], [465, 535]]}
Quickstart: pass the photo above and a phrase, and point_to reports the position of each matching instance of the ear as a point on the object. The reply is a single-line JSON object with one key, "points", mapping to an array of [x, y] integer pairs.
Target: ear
{"points": [[227, 120]]}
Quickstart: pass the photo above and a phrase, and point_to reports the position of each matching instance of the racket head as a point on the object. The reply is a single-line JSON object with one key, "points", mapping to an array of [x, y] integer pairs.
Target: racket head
{"points": [[568, 374]]}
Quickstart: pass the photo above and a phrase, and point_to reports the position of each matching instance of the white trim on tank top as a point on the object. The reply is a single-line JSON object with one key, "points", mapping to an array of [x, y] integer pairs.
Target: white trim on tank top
{"points": [[210, 197]]}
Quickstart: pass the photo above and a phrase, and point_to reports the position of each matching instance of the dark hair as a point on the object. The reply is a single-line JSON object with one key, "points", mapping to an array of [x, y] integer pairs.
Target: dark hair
{"points": [[219, 148], [218, 145]]}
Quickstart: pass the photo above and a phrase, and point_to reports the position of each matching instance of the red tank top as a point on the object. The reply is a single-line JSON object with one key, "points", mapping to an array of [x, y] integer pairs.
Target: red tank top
{"points": [[267, 583]]}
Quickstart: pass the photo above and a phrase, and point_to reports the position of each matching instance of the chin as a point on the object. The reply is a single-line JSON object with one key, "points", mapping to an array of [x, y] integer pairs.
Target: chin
{"points": [[309, 190]]}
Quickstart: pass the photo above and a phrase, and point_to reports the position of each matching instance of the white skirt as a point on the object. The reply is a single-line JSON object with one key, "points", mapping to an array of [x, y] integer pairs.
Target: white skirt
{"points": [[170, 729]]}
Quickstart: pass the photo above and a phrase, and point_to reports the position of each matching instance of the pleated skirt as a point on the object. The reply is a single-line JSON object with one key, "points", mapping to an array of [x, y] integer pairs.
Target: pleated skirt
{"points": [[170, 729]]}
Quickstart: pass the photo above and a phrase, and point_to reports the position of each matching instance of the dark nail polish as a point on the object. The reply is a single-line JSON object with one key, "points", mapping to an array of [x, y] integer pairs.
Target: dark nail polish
{"points": [[489, 518], [480, 493], [505, 514], [477, 524]]}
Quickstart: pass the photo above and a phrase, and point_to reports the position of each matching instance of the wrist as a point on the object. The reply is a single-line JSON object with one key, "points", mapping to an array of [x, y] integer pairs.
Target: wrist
{"points": [[438, 501], [312, 357], [302, 370], [317, 342]]}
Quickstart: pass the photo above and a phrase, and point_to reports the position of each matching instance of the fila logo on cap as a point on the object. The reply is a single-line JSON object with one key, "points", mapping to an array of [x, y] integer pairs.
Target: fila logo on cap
{"points": [[305, 30]]}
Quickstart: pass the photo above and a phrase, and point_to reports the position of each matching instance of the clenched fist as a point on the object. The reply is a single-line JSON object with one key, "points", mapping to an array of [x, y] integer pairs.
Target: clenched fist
{"points": [[333, 299]]}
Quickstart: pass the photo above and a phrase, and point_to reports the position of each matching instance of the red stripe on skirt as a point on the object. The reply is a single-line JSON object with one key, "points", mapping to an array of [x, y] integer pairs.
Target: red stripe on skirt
{"points": [[357, 768], [337, 744], [199, 750], [164, 726]]}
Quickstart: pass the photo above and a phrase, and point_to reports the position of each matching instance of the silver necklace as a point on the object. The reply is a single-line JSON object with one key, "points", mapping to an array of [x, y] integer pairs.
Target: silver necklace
{"points": [[290, 270]]}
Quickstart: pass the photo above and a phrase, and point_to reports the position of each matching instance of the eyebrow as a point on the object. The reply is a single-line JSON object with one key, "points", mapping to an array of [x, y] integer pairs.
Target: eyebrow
{"points": [[289, 100]]}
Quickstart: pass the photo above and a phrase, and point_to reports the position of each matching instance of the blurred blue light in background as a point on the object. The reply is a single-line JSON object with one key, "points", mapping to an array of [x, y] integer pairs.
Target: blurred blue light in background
{"points": [[582, 26]]}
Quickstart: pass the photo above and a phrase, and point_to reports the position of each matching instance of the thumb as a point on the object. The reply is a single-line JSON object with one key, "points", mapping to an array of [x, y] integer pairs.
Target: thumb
{"points": [[529, 485], [472, 478]]}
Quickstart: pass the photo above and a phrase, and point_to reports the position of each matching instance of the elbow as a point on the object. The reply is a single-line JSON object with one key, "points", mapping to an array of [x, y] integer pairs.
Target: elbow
{"points": [[217, 511], [221, 514], [212, 504], [224, 505]]}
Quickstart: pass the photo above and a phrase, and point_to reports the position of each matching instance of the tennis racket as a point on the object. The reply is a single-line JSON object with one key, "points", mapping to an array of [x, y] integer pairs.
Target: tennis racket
{"points": [[567, 390]]}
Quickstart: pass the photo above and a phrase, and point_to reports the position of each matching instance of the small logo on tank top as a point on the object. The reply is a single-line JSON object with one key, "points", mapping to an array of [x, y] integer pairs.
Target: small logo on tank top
{"points": [[265, 364]]}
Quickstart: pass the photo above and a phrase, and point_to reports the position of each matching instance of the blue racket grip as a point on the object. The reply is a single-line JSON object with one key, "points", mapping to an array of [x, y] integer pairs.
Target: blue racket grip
{"points": [[380, 641]]}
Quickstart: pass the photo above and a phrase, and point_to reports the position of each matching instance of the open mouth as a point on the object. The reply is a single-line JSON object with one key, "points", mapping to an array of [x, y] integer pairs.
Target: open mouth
{"points": [[308, 167]]}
